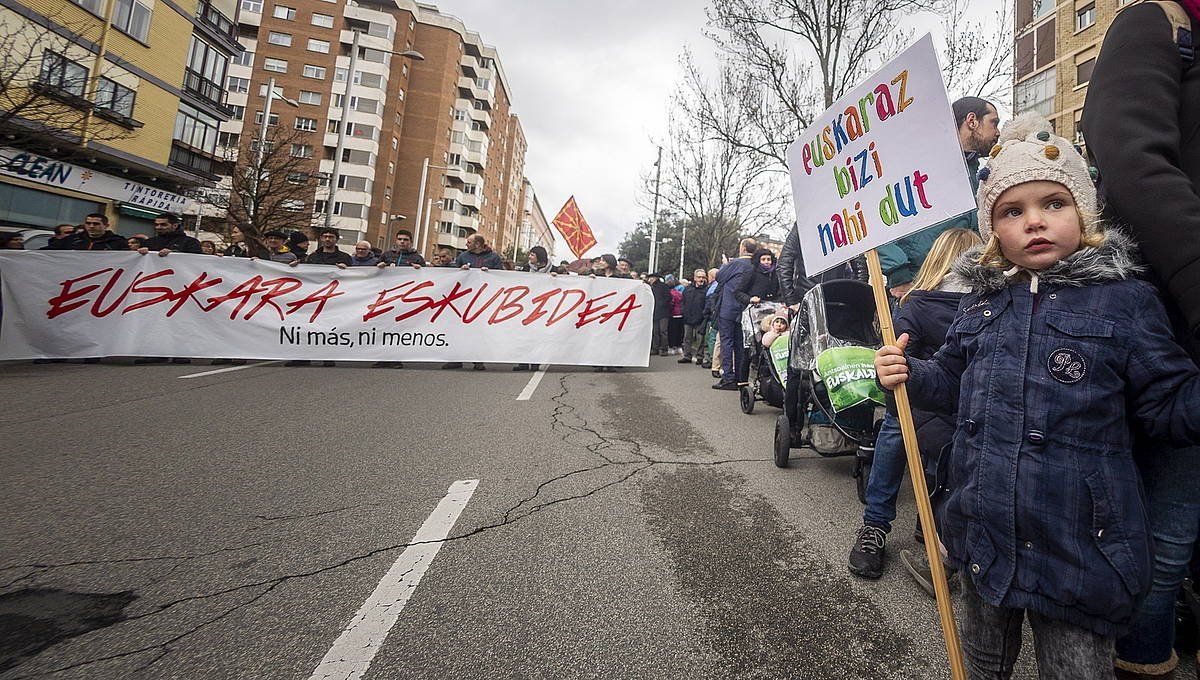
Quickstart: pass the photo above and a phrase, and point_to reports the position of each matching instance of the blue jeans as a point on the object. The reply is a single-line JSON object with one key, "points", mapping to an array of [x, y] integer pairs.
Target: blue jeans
{"points": [[732, 352], [887, 473], [1171, 477]]}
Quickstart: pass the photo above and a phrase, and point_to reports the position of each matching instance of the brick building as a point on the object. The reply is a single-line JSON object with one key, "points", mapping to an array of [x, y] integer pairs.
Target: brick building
{"points": [[448, 110], [1055, 52]]}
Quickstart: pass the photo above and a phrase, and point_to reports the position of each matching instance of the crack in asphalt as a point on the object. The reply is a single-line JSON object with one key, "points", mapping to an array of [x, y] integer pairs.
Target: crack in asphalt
{"points": [[564, 419]]}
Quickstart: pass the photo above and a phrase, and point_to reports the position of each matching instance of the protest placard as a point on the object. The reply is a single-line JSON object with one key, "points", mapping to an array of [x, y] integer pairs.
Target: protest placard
{"points": [[79, 305], [882, 163]]}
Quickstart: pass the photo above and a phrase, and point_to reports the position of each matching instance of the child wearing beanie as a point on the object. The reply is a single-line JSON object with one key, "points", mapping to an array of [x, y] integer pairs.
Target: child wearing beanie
{"points": [[1053, 357]]}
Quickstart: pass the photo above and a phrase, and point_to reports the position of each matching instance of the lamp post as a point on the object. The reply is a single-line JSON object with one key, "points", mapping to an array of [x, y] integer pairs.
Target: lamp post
{"points": [[654, 219], [336, 176], [654, 243], [682, 248], [422, 228], [260, 157]]}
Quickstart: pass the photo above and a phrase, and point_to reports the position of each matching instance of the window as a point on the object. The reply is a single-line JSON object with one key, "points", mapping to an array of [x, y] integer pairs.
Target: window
{"points": [[196, 129], [302, 150], [205, 72], [404, 69], [361, 131], [112, 96], [334, 125], [368, 54], [1043, 7], [297, 178], [132, 18], [286, 13], [235, 84], [307, 97], [322, 20], [339, 75], [239, 112], [358, 157], [352, 183], [245, 58], [400, 95], [355, 210], [229, 140], [368, 79], [62, 73], [365, 105], [1036, 93], [1085, 16], [321, 46], [395, 143], [292, 205], [459, 114], [252, 6], [311, 71], [282, 39], [1083, 71], [258, 118], [306, 124], [1035, 50], [275, 65]]}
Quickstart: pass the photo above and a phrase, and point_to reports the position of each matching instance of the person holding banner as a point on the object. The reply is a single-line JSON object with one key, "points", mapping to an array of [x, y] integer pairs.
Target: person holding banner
{"points": [[1140, 122], [978, 128], [169, 237], [1053, 356], [96, 236]]}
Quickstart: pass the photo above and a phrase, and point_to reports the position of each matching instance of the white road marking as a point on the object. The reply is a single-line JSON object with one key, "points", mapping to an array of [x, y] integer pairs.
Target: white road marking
{"points": [[226, 370], [352, 653], [533, 383]]}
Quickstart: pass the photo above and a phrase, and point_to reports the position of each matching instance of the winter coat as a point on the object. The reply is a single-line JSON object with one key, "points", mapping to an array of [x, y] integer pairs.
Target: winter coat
{"points": [[487, 258], [926, 316], [177, 241], [757, 283], [403, 258], [107, 241], [730, 279], [662, 300], [335, 258], [676, 303], [793, 281], [693, 305], [245, 250], [902, 259], [1142, 125], [1044, 507], [543, 269], [369, 261]]}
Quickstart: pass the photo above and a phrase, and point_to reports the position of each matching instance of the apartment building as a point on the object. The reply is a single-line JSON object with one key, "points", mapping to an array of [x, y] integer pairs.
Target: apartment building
{"points": [[532, 228], [116, 114], [1056, 45], [431, 145]]}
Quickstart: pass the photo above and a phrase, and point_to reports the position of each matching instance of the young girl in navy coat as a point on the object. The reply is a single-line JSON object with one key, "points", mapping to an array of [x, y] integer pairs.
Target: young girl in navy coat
{"points": [[1053, 357]]}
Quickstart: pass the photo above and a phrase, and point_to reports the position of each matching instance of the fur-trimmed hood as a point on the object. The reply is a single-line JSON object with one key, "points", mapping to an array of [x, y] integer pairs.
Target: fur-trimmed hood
{"points": [[1116, 259]]}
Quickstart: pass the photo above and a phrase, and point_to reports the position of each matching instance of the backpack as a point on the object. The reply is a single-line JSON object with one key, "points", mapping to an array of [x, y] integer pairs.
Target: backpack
{"points": [[1181, 23]]}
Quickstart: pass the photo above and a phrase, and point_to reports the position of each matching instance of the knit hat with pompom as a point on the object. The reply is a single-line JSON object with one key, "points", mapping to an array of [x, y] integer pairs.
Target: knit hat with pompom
{"points": [[1028, 152]]}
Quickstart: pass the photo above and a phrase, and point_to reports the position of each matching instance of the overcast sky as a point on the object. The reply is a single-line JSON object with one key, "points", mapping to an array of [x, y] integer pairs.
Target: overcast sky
{"points": [[591, 83]]}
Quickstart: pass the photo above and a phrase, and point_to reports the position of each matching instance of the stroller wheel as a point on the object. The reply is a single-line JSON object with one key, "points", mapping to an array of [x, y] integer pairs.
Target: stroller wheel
{"points": [[746, 397], [783, 441], [862, 473]]}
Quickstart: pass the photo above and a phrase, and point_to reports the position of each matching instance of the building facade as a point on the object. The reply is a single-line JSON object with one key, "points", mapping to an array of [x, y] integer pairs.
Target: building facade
{"points": [[1056, 45], [431, 145], [114, 114]]}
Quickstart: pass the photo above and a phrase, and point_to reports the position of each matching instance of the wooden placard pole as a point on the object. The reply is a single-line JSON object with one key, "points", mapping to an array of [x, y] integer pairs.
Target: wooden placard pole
{"points": [[917, 471]]}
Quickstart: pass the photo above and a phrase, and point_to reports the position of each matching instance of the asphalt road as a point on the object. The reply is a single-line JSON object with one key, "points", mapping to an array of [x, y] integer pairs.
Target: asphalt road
{"points": [[626, 525]]}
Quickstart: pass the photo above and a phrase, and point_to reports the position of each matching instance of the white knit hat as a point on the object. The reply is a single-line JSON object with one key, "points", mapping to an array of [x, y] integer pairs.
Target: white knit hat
{"points": [[1028, 152]]}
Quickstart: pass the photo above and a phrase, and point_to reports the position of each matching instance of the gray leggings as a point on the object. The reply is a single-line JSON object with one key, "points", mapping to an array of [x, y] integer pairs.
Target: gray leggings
{"points": [[991, 642]]}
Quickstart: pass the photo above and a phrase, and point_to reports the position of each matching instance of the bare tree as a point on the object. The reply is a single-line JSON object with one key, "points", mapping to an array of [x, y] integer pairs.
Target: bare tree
{"points": [[49, 93], [978, 59], [274, 189]]}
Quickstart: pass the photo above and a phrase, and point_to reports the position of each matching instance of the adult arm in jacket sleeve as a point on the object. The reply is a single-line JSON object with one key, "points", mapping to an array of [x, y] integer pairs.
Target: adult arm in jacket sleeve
{"points": [[742, 292], [1163, 380], [793, 279], [1131, 120]]}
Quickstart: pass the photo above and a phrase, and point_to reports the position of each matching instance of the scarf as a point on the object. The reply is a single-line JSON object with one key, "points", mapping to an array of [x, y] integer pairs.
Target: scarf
{"points": [[770, 268]]}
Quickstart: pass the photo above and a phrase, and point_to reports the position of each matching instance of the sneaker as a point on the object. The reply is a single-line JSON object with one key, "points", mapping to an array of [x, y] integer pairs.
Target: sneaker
{"points": [[521, 367], [716, 374], [866, 557], [725, 385], [479, 367], [451, 365], [917, 564], [685, 360]]}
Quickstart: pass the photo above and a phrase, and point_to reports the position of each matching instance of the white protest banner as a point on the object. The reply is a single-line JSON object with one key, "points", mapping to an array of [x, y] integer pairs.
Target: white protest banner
{"points": [[79, 304], [880, 164]]}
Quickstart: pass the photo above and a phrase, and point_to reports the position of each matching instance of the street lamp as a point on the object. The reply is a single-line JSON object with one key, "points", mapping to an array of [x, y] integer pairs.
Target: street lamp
{"points": [[260, 157], [654, 243], [336, 175], [422, 234], [391, 220], [654, 218]]}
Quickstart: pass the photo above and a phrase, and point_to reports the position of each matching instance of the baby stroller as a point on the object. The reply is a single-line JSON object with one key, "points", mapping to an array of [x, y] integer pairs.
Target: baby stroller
{"points": [[831, 401], [764, 381]]}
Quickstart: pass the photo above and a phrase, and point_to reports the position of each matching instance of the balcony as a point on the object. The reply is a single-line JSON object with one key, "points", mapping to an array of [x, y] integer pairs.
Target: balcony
{"points": [[216, 22], [470, 65], [452, 241], [469, 84], [207, 90], [481, 116]]}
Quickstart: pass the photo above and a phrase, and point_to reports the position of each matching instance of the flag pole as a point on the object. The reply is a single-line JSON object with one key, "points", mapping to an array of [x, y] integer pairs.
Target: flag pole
{"points": [[917, 472]]}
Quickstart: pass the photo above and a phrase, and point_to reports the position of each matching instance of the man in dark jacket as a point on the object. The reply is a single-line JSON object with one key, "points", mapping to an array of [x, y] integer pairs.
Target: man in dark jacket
{"points": [[478, 255], [62, 238], [169, 237], [1141, 121], [662, 313], [695, 323], [729, 315], [402, 253], [96, 236], [978, 129], [327, 252]]}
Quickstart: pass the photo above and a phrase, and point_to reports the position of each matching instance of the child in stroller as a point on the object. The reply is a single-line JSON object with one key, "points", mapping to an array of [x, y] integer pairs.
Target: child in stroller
{"points": [[764, 379]]}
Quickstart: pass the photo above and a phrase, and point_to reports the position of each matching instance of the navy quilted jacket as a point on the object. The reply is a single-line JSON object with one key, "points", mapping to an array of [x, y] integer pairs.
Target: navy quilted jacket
{"points": [[1045, 508]]}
